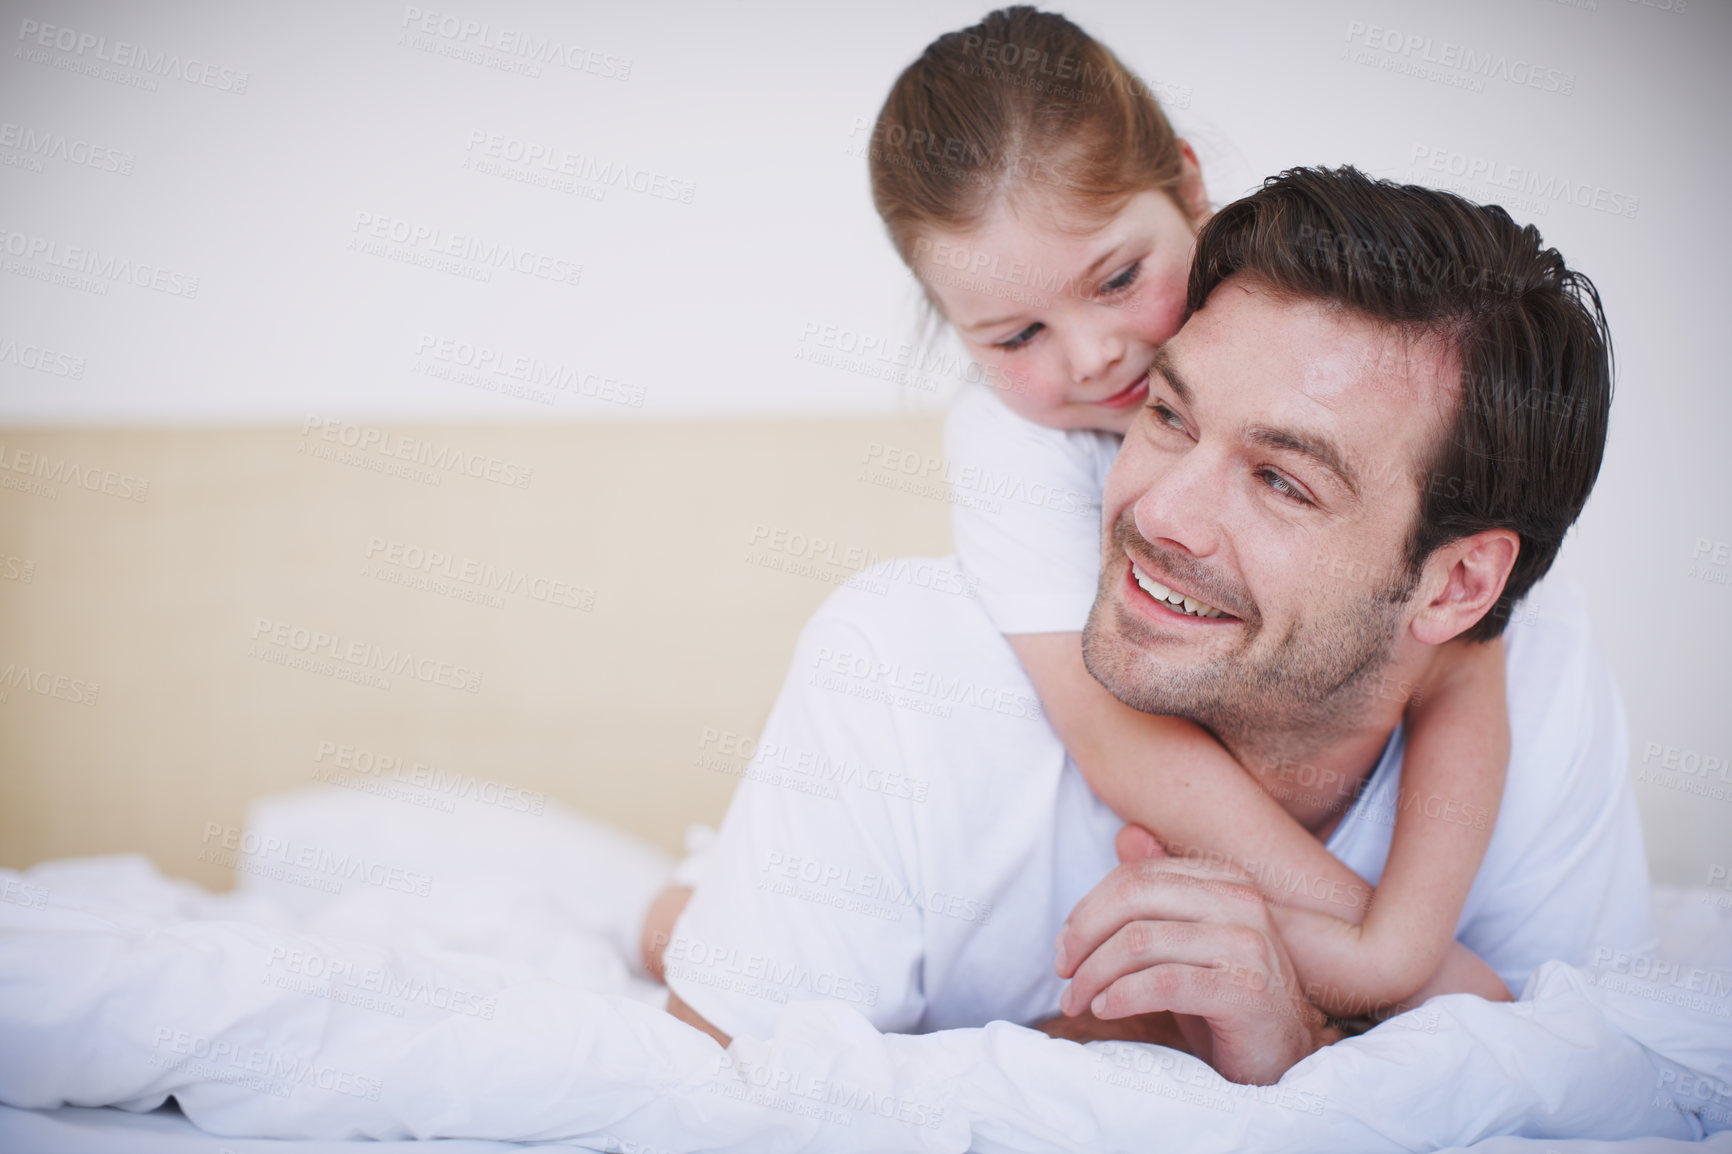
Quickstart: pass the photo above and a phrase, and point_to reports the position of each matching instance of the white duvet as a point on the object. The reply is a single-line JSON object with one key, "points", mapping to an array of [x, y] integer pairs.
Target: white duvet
{"points": [[468, 978]]}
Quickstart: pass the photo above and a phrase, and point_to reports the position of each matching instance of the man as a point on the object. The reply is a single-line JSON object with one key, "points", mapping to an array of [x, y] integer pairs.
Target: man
{"points": [[1339, 330]]}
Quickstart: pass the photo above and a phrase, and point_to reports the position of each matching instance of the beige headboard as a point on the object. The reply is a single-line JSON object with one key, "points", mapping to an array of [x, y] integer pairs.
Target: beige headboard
{"points": [[192, 618]]}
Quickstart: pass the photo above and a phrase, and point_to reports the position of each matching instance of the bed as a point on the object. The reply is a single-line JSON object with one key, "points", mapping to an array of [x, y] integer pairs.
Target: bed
{"points": [[478, 988]]}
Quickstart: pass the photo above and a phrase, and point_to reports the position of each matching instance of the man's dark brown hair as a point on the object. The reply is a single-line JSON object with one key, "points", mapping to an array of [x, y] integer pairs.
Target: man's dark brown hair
{"points": [[1524, 445]]}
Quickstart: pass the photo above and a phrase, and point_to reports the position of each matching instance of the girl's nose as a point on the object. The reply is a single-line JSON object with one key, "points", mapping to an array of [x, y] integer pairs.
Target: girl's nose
{"points": [[1097, 355]]}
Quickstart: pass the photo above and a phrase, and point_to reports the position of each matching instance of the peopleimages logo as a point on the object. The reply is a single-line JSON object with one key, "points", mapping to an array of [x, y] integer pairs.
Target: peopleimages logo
{"points": [[740, 754], [985, 486], [1658, 979], [1429, 58], [759, 975], [46, 144], [492, 361], [557, 161], [481, 575], [510, 42], [220, 1059], [46, 683], [373, 231], [135, 56], [47, 472], [40, 359], [102, 266], [826, 1097], [368, 447], [840, 347], [250, 852], [355, 763], [1544, 188], [279, 639], [372, 987]]}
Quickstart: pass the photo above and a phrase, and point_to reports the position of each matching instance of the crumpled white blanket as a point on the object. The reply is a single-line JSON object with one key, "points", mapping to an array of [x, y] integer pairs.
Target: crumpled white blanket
{"points": [[470, 978]]}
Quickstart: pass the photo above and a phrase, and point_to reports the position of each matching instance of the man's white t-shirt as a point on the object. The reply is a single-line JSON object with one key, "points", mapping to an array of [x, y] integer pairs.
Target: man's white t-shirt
{"points": [[910, 834], [1027, 513]]}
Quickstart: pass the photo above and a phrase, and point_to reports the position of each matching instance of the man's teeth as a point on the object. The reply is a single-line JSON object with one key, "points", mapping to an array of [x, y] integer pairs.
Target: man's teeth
{"points": [[1178, 601]]}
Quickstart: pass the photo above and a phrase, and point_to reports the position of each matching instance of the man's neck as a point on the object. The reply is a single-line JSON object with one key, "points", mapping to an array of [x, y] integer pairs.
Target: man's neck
{"points": [[1315, 784], [1315, 766]]}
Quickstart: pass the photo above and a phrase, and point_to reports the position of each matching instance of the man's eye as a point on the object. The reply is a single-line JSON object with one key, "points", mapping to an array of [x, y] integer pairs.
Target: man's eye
{"points": [[1167, 417], [1124, 280], [1020, 339], [1283, 486]]}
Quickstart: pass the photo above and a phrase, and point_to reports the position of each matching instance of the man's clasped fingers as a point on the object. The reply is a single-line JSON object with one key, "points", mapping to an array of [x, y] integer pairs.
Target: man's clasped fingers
{"points": [[1151, 965], [1156, 890]]}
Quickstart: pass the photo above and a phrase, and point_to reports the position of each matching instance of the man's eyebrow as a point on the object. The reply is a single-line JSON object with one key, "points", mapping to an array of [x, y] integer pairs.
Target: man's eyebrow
{"points": [[1163, 365], [1319, 448]]}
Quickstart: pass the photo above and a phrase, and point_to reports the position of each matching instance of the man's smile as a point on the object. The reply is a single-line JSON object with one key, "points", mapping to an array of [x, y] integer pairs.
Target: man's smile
{"points": [[1174, 601]]}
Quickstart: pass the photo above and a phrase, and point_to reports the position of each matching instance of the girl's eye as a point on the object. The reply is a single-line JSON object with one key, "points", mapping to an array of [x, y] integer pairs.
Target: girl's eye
{"points": [[1020, 339], [1282, 486], [1124, 280]]}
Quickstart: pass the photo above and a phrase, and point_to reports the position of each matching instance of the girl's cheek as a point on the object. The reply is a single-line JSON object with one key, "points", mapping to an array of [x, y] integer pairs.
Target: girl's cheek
{"points": [[1021, 380], [1159, 316], [1034, 392], [1159, 303], [1047, 385]]}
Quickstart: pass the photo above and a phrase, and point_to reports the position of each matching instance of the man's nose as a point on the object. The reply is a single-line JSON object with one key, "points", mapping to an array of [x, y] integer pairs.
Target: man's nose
{"points": [[1182, 504]]}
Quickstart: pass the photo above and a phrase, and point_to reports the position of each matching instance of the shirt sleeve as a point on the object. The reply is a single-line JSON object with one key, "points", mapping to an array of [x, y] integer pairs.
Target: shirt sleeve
{"points": [[792, 904], [1026, 513], [1580, 886], [1566, 875]]}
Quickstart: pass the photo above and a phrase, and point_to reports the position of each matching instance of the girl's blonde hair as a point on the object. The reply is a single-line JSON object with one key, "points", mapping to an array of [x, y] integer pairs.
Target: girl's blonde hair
{"points": [[1023, 100]]}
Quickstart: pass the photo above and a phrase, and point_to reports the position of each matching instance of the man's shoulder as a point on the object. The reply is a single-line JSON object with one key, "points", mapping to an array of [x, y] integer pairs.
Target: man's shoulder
{"points": [[928, 602], [1568, 780], [1566, 867], [1555, 608], [909, 632], [1556, 673]]}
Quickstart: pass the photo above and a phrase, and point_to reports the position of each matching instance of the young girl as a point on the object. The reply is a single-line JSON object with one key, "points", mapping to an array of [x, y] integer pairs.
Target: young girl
{"points": [[1037, 191]]}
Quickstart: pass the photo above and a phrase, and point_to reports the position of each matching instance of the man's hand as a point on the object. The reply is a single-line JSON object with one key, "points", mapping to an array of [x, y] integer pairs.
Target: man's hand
{"points": [[1159, 934], [1159, 1029]]}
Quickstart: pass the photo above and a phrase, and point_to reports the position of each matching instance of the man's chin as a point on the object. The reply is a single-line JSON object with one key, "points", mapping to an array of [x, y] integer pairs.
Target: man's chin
{"points": [[1140, 665]]}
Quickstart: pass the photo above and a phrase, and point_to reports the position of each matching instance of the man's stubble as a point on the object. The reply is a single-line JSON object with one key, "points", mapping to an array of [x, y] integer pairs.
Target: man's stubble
{"points": [[1270, 698]]}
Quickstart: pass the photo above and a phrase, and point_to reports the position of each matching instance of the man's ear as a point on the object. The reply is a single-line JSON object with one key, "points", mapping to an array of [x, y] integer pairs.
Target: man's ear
{"points": [[1460, 583], [1192, 195]]}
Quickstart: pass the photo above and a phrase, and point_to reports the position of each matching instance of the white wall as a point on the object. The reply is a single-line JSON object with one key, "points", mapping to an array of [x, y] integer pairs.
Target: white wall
{"points": [[705, 306]]}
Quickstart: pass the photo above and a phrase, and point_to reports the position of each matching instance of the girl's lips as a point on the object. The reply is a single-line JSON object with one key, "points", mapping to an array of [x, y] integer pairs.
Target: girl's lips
{"points": [[1129, 395]]}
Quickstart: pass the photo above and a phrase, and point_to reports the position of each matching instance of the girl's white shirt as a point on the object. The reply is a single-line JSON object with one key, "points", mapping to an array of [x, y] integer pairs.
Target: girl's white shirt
{"points": [[1026, 512]]}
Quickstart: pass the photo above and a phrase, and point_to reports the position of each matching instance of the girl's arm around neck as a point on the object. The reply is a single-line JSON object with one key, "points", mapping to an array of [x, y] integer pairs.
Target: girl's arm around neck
{"points": [[1171, 777]]}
